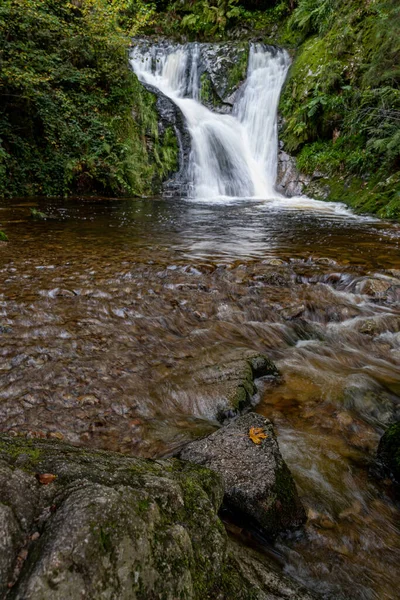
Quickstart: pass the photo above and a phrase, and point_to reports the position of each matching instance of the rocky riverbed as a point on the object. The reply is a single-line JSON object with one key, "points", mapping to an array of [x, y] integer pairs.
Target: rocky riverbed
{"points": [[138, 327]]}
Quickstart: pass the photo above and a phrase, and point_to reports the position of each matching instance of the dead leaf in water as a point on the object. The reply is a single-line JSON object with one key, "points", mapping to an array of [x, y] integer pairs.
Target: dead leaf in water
{"points": [[46, 478], [257, 434]]}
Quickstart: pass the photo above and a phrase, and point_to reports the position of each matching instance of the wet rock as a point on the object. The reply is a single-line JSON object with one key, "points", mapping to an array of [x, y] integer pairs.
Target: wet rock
{"points": [[372, 286], [293, 312], [393, 294], [323, 260], [394, 272], [227, 388], [38, 215], [275, 262], [368, 399], [226, 66], [265, 581], [261, 366], [258, 484], [289, 179], [111, 526], [368, 326], [389, 451]]}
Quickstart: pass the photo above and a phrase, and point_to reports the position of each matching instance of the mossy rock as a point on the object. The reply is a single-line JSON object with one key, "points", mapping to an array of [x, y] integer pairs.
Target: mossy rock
{"points": [[80, 523], [225, 380], [38, 215], [259, 487]]}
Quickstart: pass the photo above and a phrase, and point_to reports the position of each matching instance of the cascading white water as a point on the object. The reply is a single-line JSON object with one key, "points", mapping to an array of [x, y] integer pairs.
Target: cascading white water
{"points": [[232, 155]]}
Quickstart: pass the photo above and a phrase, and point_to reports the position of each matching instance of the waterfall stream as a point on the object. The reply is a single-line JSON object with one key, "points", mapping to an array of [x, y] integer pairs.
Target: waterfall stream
{"points": [[234, 155]]}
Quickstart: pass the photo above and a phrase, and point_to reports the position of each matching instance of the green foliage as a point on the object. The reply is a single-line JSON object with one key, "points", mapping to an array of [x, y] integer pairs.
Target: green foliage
{"points": [[66, 100], [210, 16], [219, 19], [3, 237], [312, 16], [38, 215], [341, 104]]}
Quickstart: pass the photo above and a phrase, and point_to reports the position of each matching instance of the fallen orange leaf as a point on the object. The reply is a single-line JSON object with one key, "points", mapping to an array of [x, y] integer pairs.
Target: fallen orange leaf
{"points": [[256, 434], [46, 478]]}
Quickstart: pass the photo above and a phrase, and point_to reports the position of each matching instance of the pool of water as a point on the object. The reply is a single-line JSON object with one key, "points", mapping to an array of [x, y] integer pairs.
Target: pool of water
{"points": [[108, 306]]}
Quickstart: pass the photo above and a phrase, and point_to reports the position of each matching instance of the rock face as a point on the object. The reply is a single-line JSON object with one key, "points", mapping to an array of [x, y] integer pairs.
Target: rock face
{"points": [[389, 451], [170, 115], [257, 481], [97, 525], [226, 66], [290, 181]]}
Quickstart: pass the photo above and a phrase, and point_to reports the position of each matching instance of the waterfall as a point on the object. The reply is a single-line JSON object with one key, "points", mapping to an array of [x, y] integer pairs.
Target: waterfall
{"points": [[232, 156]]}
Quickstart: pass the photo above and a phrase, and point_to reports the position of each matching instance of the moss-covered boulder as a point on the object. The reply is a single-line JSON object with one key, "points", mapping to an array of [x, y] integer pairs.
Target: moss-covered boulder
{"points": [[89, 524], [258, 484], [224, 69], [389, 451]]}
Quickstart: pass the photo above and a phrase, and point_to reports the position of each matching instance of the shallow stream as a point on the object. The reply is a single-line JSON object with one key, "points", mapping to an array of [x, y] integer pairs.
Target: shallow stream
{"points": [[106, 307]]}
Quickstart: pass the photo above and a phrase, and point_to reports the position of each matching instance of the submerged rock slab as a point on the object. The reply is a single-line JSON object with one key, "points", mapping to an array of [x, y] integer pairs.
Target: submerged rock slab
{"points": [[226, 387], [87, 524], [258, 483]]}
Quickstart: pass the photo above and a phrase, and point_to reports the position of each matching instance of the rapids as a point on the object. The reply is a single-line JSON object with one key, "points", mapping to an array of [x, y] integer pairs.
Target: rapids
{"points": [[107, 307]]}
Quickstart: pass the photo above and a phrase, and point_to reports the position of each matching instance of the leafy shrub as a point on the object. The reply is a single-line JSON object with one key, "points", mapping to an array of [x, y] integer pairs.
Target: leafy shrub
{"points": [[66, 100], [341, 104]]}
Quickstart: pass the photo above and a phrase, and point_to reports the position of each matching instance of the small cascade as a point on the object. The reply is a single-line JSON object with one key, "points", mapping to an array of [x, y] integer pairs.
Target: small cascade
{"points": [[232, 156]]}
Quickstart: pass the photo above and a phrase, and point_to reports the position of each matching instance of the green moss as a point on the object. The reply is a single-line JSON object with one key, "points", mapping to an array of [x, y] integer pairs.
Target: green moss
{"points": [[237, 73], [341, 101], [37, 215], [105, 540], [206, 89], [143, 506], [18, 447], [3, 237], [232, 586]]}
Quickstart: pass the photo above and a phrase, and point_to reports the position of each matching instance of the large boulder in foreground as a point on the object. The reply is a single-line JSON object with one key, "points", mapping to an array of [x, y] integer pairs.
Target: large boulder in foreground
{"points": [[257, 481], [77, 523]]}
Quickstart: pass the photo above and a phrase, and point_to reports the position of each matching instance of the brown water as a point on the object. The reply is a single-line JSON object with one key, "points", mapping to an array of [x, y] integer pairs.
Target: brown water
{"points": [[107, 308]]}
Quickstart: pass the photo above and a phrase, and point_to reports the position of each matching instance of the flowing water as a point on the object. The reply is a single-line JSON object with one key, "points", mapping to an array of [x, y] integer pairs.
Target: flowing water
{"points": [[229, 157], [109, 309]]}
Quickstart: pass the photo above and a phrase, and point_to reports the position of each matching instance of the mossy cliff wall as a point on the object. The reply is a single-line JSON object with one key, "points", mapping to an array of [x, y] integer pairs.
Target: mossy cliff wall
{"points": [[341, 103]]}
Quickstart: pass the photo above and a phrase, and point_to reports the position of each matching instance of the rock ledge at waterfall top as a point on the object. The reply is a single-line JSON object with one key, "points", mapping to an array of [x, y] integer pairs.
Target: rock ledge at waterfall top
{"points": [[258, 484], [79, 523]]}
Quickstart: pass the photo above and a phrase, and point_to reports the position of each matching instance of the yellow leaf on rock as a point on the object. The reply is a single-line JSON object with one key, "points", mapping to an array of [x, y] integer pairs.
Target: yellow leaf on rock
{"points": [[257, 434], [46, 478]]}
